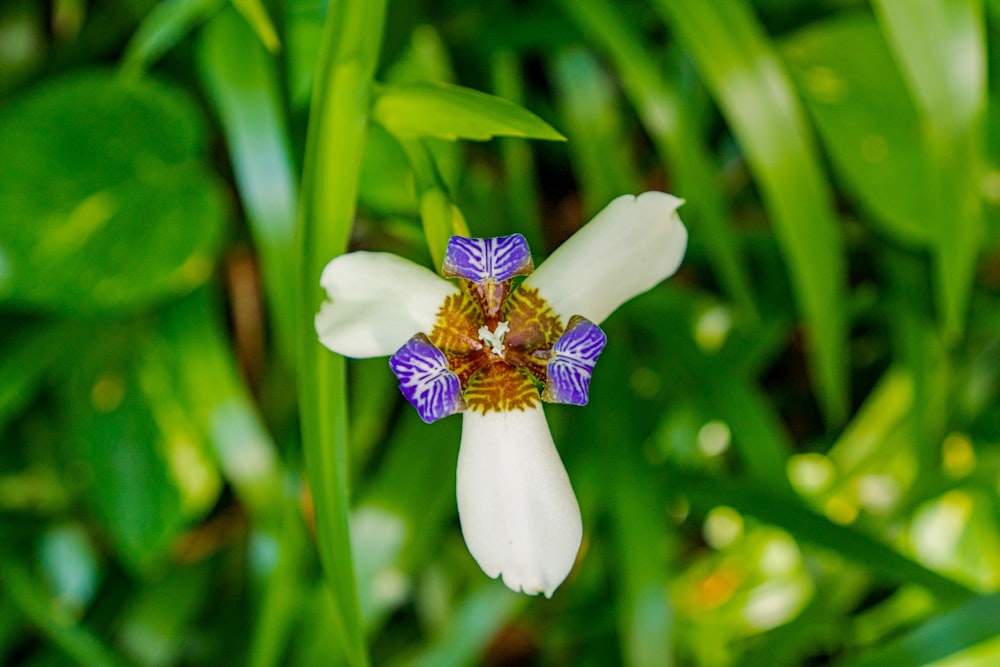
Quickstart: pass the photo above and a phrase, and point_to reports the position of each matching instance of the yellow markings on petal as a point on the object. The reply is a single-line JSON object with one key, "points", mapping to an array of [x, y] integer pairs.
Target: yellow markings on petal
{"points": [[502, 388], [466, 365], [456, 331], [533, 324], [491, 381]]}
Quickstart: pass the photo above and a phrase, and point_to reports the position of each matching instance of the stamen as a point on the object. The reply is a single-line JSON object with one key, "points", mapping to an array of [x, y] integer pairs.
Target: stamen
{"points": [[494, 338]]}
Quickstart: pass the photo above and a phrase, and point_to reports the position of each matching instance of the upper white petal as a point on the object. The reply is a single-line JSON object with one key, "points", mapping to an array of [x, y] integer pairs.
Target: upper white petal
{"points": [[627, 249], [518, 512], [376, 302]]}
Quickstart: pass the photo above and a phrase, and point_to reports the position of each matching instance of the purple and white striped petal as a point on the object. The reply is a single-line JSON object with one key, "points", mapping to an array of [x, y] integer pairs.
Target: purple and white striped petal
{"points": [[572, 364], [493, 259], [425, 379]]}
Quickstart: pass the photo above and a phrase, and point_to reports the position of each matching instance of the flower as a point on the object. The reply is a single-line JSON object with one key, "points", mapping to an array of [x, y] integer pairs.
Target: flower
{"points": [[493, 349]]}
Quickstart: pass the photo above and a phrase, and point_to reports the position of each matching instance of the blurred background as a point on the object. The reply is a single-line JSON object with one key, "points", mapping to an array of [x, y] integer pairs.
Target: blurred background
{"points": [[791, 454]]}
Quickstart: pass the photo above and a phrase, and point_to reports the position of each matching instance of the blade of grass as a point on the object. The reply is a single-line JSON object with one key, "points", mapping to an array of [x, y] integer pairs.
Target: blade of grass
{"points": [[636, 502], [256, 16], [440, 217], [220, 401], [976, 621], [28, 354], [941, 50], [75, 641], [706, 491], [759, 435], [472, 625], [666, 120], [618, 482], [591, 112], [518, 166], [921, 352], [240, 78], [447, 111], [162, 29], [739, 65], [339, 115]]}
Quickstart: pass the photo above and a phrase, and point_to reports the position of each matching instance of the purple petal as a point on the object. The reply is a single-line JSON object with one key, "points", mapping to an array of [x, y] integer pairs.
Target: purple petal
{"points": [[480, 260], [573, 358], [425, 379]]}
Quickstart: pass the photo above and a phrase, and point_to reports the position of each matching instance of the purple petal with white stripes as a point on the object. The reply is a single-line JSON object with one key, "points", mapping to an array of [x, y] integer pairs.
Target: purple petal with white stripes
{"points": [[425, 379], [572, 363], [480, 260]]}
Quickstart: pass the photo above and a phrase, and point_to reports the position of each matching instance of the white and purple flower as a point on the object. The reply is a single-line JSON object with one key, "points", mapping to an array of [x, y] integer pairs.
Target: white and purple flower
{"points": [[494, 350]]}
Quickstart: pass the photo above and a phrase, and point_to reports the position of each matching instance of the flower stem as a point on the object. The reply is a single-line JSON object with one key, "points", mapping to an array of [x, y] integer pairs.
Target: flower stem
{"points": [[338, 123]]}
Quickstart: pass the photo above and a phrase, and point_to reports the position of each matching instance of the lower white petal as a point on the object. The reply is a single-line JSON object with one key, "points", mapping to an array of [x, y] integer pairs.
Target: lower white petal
{"points": [[518, 512], [377, 301], [627, 249]]}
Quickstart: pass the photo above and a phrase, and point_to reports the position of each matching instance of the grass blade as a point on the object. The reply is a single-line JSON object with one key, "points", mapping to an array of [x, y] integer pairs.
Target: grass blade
{"points": [[162, 29], [255, 14], [471, 626], [518, 165], [440, 217], [30, 600], [240, 78], [947, 634], [591, 111], [940, 47], [743, 73], [670, 128], [706, 491], [447, 111], [339, 116]]}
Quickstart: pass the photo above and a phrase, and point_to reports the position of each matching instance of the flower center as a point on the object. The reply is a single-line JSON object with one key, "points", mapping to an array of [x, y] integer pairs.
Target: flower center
{"points": [[496, 346], [494, 338]]}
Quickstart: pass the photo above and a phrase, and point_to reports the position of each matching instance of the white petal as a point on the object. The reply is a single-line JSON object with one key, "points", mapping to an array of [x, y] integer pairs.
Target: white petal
{"points": [[519, 516], [377, 301], [627, 249]]}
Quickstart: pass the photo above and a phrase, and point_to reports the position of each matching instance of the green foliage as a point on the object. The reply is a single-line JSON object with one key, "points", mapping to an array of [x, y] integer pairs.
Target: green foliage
{"points": [[452, 112], [93, 167], [791, 454]]}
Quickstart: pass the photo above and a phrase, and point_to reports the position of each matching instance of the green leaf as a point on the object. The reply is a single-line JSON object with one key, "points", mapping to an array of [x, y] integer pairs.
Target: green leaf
{"points": [[162, 616], [940, 46], [706, 491], [452, 112], [212, 391], [28, 353], [759, 435], [241, 79], [669, 123], [338, 120], [591, 108], [470, 627], [520, 179], [167, 24], [129, 216], [33, 602], [440, 218], [841, 65], [633, 494], [259, 20], [740, 68], [146, 467], [387, 185], [976, 621]]}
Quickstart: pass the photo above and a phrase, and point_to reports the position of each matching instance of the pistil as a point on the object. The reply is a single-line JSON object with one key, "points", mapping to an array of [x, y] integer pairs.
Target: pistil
{"points": [[494, 338]]}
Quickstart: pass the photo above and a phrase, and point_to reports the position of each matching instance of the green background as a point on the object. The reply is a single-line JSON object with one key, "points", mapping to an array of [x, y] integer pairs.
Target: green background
{"points": [[791, 454]]}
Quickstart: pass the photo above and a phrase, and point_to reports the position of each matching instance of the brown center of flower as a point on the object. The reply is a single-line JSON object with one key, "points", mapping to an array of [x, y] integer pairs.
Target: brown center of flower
{"points": [[500, 355]]}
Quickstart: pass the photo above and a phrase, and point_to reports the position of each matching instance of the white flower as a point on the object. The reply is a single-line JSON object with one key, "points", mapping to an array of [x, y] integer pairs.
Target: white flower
{"points": [[484, 347]]}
